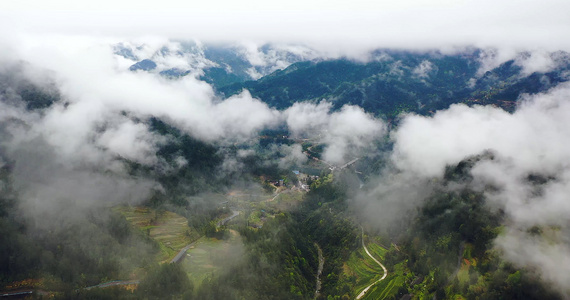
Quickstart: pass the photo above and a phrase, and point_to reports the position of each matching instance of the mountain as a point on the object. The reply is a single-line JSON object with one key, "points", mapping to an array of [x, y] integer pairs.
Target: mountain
{"points": [[261, 218], [217, 64], [389, 83], [145, 65], [394, 82]]}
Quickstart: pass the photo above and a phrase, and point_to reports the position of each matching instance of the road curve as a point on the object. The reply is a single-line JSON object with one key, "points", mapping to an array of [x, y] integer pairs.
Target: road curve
{"points": [[181, 253], [235, 213], [379, 263]]}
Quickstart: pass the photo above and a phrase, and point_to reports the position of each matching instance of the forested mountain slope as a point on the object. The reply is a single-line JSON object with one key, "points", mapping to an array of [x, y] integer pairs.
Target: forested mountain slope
{"points": [[396, 82]]}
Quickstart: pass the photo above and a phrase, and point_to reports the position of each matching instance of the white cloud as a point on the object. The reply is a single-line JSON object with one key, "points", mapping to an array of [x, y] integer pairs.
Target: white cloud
{"points": [[345, 132], [96, 90], [534, 140], [306, 118], [294, 156], [278, 56], [333, 26], [423, 69], [242, 116], [491, 58], [549, 257], [104, 105], [131, 141], [349, 131], [540, 61]]}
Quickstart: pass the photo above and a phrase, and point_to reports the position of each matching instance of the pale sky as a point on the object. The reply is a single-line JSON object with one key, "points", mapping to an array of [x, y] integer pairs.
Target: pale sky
{"points": [[405, 23]]}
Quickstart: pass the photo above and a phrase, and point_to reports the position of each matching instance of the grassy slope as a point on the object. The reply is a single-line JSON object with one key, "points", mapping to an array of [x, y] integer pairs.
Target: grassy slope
{"points": [[169, 229], [209, 256], [366, 271]]}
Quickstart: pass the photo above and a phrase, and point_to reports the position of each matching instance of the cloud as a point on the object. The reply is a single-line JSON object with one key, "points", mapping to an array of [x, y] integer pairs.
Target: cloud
{"points": [[426, 145], [101, 120], [104, 108], [96, 87], [540, 61], [533, 142], [349, 131], [73, 148], [72, 154], [242, 116], [266, 60], [390, 200], [423, 69], [332, 26], [167, 54], [346, 132], [132, 141], [49, 181], [492, 57], [549, 258], [306, 118], [293, 156], [530, 136]]}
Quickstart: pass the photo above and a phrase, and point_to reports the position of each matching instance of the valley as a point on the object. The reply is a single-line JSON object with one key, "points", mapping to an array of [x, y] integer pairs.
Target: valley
{"points": [[190, 170]]}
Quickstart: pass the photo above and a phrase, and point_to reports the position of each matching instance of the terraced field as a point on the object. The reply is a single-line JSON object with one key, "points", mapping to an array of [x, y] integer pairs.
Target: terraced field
{"points": [[169, 229], [210, 256], [389, 286], [366, 271]]}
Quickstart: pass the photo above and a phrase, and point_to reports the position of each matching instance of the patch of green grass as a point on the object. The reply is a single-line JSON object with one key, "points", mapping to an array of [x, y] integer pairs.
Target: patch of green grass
{"points": [[287, 200], [389, 286], [364, 269], [211, 257], [376, 251], [169, 229], [255, 218]]}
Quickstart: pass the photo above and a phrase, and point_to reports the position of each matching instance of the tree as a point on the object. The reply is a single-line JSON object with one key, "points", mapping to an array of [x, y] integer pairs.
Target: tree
{"points": [[165, 282]]}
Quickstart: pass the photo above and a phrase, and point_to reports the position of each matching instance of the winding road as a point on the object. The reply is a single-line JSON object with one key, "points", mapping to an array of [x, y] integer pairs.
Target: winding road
{"points": [[181, 253], [235, 213], [379, 263]]}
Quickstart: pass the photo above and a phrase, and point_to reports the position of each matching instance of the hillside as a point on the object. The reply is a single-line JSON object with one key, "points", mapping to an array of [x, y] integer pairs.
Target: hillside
{"points": [[395, 82], [103, 186]]}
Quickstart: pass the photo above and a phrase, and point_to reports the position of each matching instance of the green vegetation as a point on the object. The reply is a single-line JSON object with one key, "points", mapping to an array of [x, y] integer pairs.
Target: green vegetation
{"points": [[77, 254], [386, 87], [444, 250], [209, 257], [279, 263], [364, 270], [168, 229], [390, 86], [165, 282], [392, 287]]}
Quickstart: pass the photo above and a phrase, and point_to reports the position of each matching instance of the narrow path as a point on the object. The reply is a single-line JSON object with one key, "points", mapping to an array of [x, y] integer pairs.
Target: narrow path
{"points": [[17, 294], [273, 199], [181, 253], [380, 264], [235, 213], [319, 270], [113, 283]]}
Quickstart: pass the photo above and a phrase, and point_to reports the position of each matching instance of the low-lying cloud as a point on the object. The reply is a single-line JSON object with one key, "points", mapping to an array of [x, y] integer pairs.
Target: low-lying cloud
{"points": [[346, 132], [74, 148], [533, 141], [101, 118]]}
